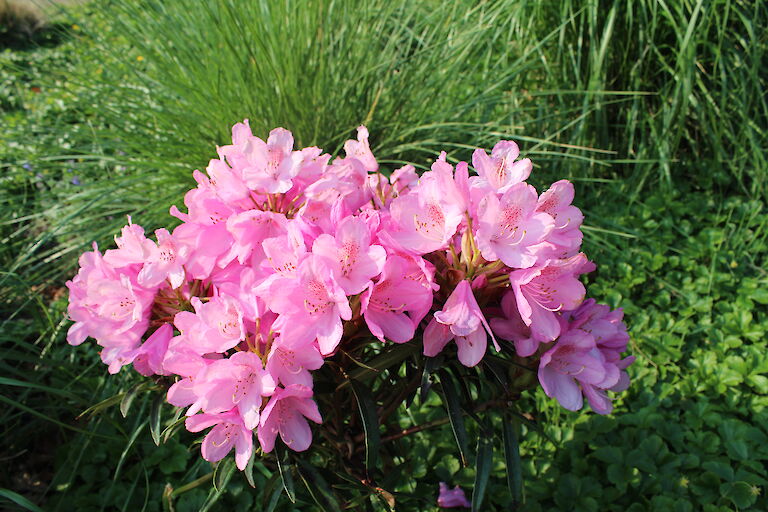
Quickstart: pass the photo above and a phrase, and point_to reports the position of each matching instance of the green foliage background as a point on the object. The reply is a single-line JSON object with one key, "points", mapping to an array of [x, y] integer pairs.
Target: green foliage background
{"points": [[656, 110]]}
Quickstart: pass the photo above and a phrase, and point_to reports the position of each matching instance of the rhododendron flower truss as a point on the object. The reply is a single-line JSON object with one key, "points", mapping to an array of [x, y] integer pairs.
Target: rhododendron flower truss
{"points": [[306, 299]]}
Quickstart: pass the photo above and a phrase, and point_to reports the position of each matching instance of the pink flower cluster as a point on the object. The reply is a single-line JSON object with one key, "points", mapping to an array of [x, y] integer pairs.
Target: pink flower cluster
{"points": [[286, 255]]}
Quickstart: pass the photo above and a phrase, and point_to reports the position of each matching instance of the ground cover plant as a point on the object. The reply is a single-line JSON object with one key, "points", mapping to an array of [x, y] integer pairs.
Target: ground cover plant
{"points": [[668, 95]]}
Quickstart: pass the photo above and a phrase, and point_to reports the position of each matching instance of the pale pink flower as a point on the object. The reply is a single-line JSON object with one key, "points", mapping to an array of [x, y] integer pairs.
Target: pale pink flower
{"points": [[543, 290], [228, 432], [289, 363], [350, 255], [461, 320], [132, 247], [398, 301], [425, 219], [509, 227], [227, 182], [215, 326], [149, 357], [361, 150], [166, 261], [239, 381], [500, 171], [267, 167], [286, 414], [452, 498], [311, 306], [249, 229], [576, 360], [512, 328], [565, 238]]}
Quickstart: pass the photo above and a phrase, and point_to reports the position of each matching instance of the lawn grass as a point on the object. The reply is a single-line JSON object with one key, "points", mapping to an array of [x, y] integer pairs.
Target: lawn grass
{"points": [[656, 110]]}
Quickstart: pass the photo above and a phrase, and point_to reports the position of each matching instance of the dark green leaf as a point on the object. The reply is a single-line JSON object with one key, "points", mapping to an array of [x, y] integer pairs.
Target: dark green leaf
{"points": [[248, 472], [284, 465], [370, 418], [483, 465], [381, 362], [223, 473], [155, 417], [19, 500], [315, 482], [510, 429], [741, 494], [453, 406], [129, 397], [430, 365]]}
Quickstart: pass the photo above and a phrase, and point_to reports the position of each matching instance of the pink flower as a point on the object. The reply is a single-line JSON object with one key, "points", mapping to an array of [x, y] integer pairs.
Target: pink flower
{"points": [[286, 414], [289, 363], [239, 381], [425, 219], [512, 328], [265, 167], [311, 306], [228, 432], [166, 261], [452, 498], [149, 357], [350, 255], [500, 171], [565, 239], [132, 247], [576, 360], [541, 291], [509, 228], [394, 306], [462, 320], [215, 326], [249, 229], [361, 150]]}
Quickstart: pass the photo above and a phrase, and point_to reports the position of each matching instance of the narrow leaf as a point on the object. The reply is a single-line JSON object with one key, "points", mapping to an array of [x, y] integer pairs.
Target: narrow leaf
{"points": [[512, 457], [482, 470], [155, 417], [19, 500], [129, 397], [430, 365], [380, 363], [310, 474], [284, 466], [223, 473], [248, 472], [453, 406], [367, 408]]}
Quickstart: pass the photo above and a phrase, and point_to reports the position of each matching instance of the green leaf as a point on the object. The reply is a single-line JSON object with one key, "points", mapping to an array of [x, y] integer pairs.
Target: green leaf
{"points": [[512, 457], [155, 416], [741, 494], [483, 465], [284, 465], [274, 498], [430, 365], [248, 472], [396, 355], [19, 500], [310, 475], [129, 397], [221, 477], [370, 418], [453, 406], [223, 473]]}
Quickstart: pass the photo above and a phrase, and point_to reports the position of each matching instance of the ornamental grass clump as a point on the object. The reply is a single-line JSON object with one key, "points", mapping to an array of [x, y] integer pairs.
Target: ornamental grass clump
{"points": [[307, 298]]}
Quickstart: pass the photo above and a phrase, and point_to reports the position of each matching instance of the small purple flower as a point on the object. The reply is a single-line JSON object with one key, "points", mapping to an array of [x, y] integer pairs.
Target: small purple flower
{"points": [[75, 180], [452, 498], [27, 166]]}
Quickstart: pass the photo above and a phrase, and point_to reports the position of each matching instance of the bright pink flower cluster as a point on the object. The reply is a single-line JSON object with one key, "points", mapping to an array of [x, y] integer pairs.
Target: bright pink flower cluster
{"points": [[284, 255]]}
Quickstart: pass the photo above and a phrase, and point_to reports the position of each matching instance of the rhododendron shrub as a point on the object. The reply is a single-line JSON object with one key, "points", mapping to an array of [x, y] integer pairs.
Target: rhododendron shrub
{"points": [[306, 298]]}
